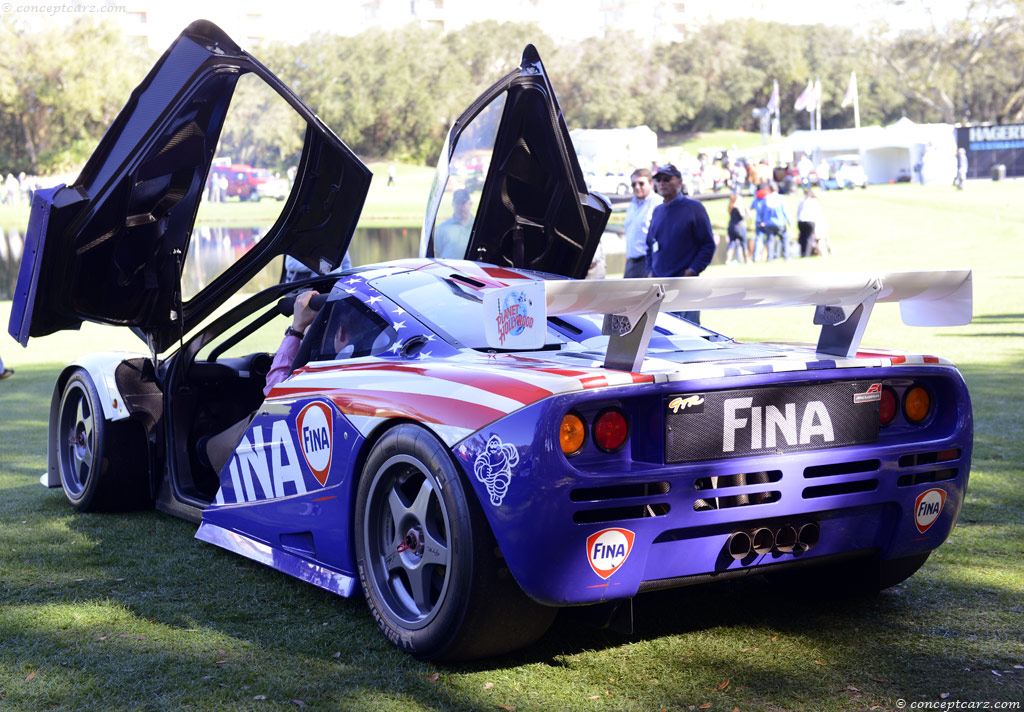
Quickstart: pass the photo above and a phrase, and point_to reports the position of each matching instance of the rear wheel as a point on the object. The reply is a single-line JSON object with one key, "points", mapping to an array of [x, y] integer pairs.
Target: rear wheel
{"points": [[99, 462], [433, 576]]}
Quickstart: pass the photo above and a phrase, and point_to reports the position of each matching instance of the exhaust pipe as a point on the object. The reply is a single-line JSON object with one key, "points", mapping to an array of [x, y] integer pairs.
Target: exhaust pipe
{"points": [[738, 545], [807, 536], [762, 541], [785, 539]]}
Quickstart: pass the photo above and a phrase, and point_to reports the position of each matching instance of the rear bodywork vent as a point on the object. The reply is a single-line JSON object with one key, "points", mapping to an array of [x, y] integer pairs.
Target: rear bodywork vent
{"points": [[842, 468], [920, 478], [737, 500], [638, 489], [632, 501], [928, 476], [840, 488], [929, 458]]}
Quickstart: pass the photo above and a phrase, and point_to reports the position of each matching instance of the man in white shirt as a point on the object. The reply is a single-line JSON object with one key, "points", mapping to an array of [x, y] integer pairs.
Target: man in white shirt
{"points": [[638, 220]]}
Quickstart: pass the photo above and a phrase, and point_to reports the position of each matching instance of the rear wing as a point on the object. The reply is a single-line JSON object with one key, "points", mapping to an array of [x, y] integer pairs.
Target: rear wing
{"points": [[517, 315]]}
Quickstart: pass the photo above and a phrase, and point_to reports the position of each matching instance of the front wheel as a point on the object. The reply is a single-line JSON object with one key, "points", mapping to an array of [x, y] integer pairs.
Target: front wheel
{"points": [[101, 464], [432, 574]]}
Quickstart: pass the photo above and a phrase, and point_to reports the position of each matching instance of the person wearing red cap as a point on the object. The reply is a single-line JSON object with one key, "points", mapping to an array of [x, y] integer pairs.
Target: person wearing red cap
{"points": [[679, 242]]}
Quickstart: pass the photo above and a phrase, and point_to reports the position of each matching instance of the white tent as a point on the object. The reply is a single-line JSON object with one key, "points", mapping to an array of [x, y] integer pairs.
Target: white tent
{"points": [[888, 153], [622, 150]]}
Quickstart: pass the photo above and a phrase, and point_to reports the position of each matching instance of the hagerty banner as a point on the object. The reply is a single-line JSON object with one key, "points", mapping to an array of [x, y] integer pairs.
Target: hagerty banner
{"points": [[991, 146]]}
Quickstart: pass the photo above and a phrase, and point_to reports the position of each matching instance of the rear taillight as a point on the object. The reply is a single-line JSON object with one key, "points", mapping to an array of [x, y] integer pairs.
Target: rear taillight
{"points": [[611, 430], [917, 404], [888, 406], [571, 434]]}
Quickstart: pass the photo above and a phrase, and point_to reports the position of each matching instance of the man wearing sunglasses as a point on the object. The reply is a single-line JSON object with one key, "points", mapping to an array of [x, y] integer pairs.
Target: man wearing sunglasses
{"points": [[679, 242], [638, 220]]}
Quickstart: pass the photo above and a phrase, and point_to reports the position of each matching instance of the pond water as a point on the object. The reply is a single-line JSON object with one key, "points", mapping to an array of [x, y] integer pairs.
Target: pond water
{"points": [[213, 248]]}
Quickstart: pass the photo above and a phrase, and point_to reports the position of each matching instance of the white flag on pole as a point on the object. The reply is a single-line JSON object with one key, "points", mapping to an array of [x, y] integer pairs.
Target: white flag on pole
{"points": [[805, 102], [851, 91], [773, 102]]}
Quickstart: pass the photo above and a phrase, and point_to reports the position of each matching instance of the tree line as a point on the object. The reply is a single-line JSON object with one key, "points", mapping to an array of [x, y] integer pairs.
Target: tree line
{"points": [[394, 93]]}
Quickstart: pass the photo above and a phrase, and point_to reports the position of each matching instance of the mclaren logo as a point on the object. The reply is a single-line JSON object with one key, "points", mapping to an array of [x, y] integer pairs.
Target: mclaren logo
{"points": [[873, 393], [690, 404]]}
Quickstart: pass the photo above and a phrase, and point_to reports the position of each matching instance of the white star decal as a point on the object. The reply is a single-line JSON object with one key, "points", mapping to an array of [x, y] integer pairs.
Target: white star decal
{"points": [[396, 347], [354, 280], [350, 291], [399, 325], [373, 300], [399, 311], [430, 337], [424, 354]]}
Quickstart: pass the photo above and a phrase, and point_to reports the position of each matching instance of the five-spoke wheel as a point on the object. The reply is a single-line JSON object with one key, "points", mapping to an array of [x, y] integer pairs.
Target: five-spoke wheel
{"points": [[102, 465], [78, 438], [406, 533], [433, 576]]}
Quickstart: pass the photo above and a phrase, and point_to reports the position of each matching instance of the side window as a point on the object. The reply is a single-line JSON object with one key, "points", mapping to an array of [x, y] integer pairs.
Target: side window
{"points": [[457, 190], [258, 149], [347, 328], [260, 332]]}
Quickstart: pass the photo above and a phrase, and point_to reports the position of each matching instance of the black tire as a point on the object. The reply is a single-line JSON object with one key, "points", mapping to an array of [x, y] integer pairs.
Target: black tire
{"points": [[432, 574], [254, 196], [102, 466]]}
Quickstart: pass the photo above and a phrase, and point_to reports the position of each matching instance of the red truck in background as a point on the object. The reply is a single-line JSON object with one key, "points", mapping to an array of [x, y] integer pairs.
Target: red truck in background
{"points": [[246, 183]]}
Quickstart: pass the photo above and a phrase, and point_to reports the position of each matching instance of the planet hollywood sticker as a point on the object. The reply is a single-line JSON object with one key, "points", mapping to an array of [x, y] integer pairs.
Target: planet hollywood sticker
{"points": [[516, 317]]}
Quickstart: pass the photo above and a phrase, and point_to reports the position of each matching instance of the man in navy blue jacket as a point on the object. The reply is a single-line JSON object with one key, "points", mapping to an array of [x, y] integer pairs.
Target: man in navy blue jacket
{"points": [[679, 242]]}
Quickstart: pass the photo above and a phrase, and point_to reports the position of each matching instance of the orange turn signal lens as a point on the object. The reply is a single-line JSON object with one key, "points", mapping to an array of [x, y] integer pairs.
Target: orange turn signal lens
{"points": [[571, 434], [917, 404]]}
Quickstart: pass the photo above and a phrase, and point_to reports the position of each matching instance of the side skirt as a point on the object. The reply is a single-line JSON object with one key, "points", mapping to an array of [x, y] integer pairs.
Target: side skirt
{"points": [[287, 563]]}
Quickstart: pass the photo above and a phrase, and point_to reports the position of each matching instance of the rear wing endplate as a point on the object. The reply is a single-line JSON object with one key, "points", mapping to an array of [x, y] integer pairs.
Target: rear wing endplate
{"points": [[842, 304]]}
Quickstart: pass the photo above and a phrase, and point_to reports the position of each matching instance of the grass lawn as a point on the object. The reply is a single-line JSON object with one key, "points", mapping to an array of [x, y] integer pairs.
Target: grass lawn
{"points": [[129, 612], [706, 141]]}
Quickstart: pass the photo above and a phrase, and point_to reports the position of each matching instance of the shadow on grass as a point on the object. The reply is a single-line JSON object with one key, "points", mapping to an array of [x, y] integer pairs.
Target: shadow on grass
{"points": [[130, 611], [997, 318]]}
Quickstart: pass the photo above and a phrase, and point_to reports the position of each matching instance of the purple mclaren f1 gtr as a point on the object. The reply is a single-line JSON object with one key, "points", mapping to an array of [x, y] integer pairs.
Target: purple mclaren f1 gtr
{"points": [[494, 438]]}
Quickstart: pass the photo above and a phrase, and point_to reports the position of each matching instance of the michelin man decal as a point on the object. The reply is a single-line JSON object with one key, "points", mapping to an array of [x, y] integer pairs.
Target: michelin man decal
{"points": [[494, 466]]}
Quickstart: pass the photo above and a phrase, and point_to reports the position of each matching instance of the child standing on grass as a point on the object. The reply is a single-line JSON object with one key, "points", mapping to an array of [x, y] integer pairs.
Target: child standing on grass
{"points": [[5, 372]]}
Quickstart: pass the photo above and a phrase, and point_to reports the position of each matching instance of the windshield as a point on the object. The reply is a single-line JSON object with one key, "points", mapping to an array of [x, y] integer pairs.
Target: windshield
{"points": [[458, 183]]}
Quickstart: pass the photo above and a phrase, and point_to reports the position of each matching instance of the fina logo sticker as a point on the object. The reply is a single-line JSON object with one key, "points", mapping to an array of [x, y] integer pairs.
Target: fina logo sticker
{"points": [[608, 549], [928, 507], [687, 404], [493, 466], [872, 394], [316, 438]]}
